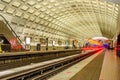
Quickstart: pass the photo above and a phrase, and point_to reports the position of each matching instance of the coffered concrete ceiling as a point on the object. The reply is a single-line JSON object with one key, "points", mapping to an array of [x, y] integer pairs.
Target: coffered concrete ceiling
{"points": [[62, 19]]}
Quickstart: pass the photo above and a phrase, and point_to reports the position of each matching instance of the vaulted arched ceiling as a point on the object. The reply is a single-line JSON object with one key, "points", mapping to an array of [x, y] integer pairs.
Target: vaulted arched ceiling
{"points": [[61, 19]]}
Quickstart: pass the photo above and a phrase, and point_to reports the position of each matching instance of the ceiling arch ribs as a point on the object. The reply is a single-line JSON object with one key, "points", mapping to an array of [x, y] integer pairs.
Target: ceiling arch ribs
{"points": [[88, 20], [95, 17], [68, 18]]}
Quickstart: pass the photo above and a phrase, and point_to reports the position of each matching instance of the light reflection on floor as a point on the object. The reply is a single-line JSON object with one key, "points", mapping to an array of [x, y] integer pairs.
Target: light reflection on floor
{"points": [[111, 66]]}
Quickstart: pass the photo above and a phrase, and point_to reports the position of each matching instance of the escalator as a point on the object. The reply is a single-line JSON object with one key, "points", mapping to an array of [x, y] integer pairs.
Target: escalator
{"points": [[10, 41]]}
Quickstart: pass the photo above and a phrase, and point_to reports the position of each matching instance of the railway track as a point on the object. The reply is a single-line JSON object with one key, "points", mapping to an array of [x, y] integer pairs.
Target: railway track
{"points": [[44, 71], [13, 60]]}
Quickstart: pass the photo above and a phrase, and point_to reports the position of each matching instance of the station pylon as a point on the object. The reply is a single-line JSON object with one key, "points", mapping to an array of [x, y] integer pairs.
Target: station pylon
{"points": [[0, 49]]}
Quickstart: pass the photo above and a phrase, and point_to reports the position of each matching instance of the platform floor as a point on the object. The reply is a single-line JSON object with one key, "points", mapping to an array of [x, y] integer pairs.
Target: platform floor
{"points": [[111, 66], [101, 66], [92, 70]]}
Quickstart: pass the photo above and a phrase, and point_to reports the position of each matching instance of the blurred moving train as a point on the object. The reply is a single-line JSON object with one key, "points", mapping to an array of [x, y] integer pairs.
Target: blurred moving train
{"points": [[104, 43]]}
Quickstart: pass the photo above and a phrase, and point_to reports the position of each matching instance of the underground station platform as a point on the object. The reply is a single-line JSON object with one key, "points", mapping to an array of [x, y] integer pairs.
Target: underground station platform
{"points": [[93, 64]]}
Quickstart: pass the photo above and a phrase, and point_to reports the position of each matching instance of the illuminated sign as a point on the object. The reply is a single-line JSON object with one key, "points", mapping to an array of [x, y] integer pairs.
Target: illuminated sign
{"points": [[27, 40]]}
